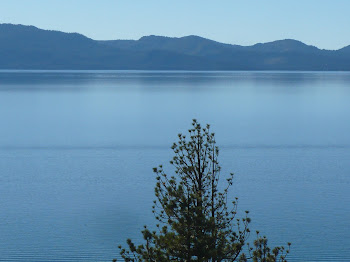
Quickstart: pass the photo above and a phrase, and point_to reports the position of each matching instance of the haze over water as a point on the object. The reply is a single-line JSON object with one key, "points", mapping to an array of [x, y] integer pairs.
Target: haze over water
{"points": [[77, 150]]}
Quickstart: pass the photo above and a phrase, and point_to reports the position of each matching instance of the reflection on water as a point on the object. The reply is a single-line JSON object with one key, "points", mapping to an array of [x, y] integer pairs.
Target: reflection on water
{"points": [[77, 149]]}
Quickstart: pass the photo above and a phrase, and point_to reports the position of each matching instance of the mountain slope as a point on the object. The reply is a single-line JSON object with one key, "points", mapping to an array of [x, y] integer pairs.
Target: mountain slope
{"points": [[28, 47]]}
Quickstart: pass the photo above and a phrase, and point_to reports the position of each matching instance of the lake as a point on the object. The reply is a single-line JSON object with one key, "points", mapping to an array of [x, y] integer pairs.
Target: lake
{"points": [[77, 150]]}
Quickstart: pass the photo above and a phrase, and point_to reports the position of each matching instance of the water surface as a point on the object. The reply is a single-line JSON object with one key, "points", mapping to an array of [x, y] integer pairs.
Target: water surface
{"points": [[77, 150]]}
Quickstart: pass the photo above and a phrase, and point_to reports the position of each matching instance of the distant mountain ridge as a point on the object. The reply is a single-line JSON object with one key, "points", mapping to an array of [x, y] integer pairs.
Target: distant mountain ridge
{"points": [[28, 47]]}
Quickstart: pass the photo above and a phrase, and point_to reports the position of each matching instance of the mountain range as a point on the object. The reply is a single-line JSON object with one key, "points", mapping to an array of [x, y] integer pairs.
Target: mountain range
{"points": [[28, 47]]}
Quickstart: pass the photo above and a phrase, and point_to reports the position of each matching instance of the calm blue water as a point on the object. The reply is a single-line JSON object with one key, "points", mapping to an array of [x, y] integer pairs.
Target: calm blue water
{"points": [[77, 151]]}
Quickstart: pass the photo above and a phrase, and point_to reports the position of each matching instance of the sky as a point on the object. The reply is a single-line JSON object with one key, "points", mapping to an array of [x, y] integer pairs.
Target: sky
{"points": [[323, 23]]}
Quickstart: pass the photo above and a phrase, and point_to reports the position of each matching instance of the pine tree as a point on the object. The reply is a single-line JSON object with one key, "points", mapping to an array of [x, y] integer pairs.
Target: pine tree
{"points": [[197, 222]]}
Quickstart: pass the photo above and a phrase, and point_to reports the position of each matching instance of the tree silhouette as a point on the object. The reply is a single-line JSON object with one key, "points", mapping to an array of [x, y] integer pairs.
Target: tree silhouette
{"points": [[197, 222]]}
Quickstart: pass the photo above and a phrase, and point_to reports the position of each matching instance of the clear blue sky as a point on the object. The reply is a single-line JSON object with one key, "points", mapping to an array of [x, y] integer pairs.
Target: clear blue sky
{"points": [[324, 23]]}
